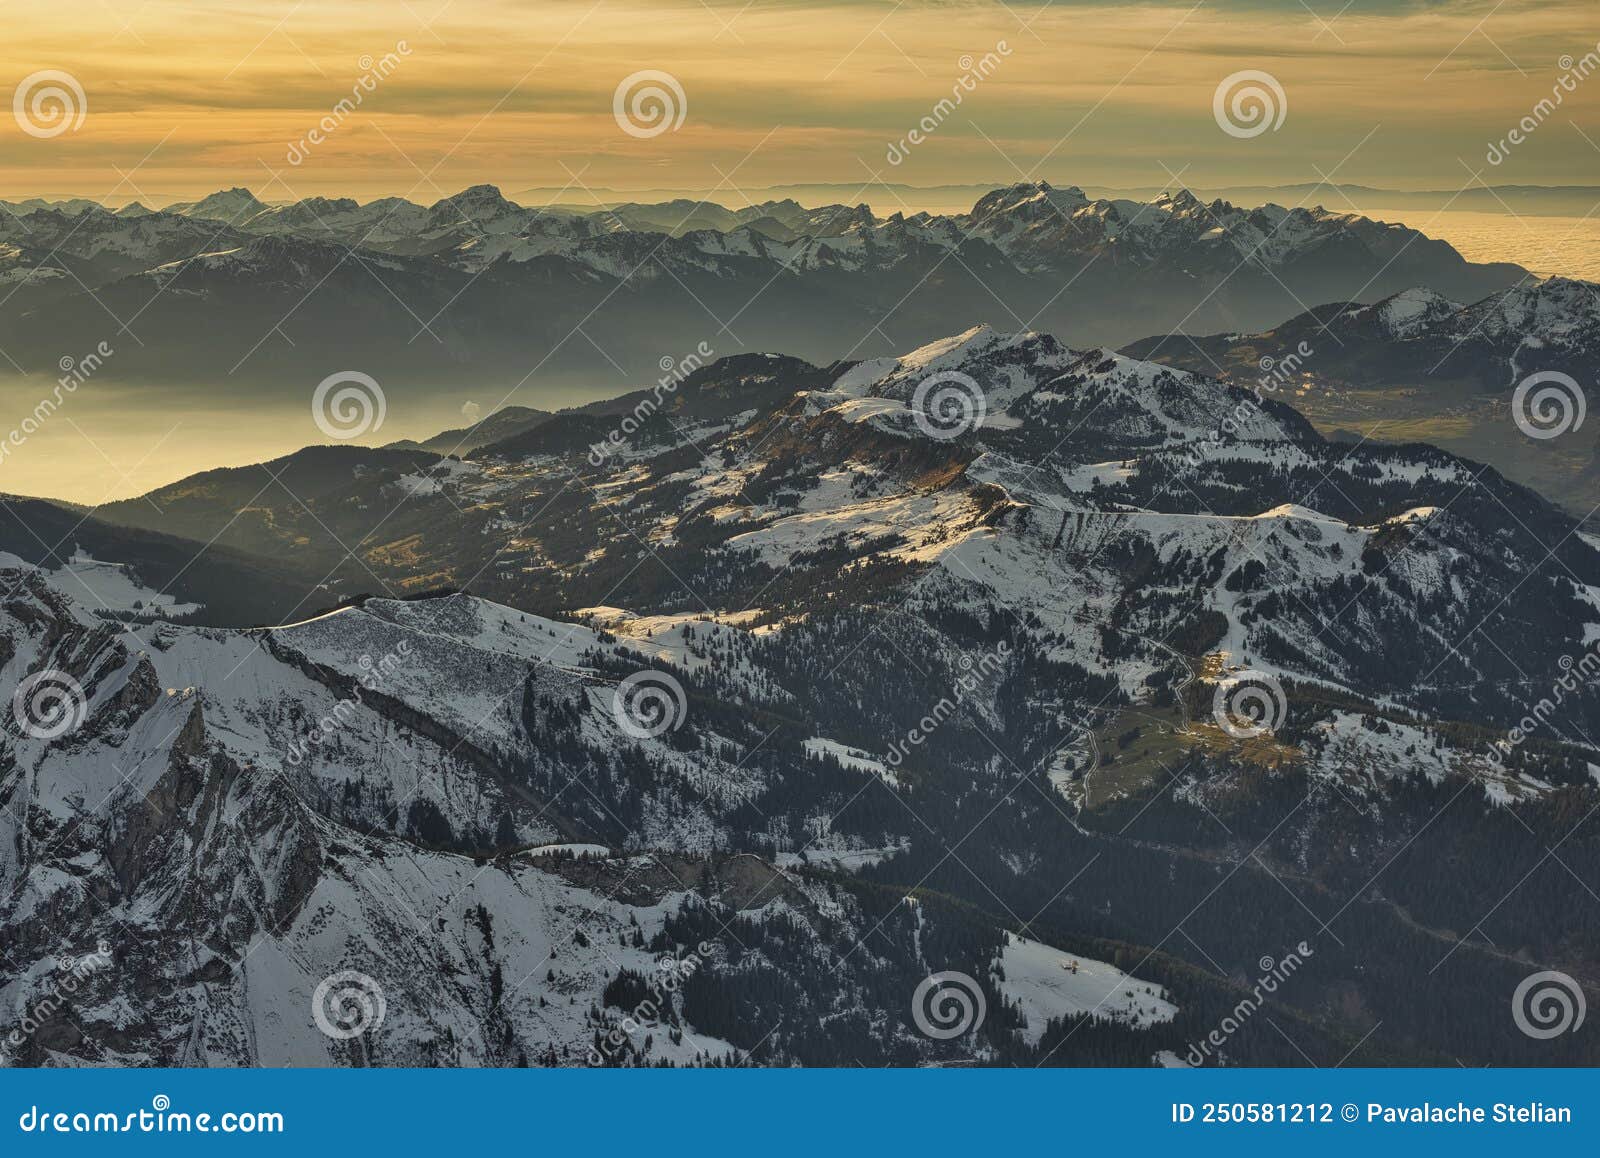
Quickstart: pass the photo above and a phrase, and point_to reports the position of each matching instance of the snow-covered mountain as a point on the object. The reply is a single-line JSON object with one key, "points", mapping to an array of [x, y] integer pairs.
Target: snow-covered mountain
{"points": [[411, 801], [1418, 364], [230, 206], [1092, 680], [1421, 335], [483, 278]]}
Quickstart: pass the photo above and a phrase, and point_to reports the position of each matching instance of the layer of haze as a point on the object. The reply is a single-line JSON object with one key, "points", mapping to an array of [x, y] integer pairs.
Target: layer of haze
{"points": [[184, 98], [114, 441]]}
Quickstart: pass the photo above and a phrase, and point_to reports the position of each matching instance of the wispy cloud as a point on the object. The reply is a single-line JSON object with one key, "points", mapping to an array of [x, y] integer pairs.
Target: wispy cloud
{"points": [[496, 91]]}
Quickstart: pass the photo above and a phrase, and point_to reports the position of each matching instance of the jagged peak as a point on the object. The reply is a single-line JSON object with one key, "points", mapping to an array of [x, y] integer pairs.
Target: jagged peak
{"points": [[1565, 288], [233, 203], [342, 204], [1413, 310], [1026, 195], [477, 195], [1181, 199]]}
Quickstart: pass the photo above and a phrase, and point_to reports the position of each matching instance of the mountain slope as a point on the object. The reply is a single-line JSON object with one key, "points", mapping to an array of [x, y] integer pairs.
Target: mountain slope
{"points": [[978, 658], [1420, 366], [125, 572]]}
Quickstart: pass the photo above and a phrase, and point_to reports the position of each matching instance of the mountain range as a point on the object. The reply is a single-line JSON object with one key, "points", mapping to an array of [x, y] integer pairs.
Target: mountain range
{"points": [[1525, 200], [1104, 684], [1418, 366], [476, 289]]}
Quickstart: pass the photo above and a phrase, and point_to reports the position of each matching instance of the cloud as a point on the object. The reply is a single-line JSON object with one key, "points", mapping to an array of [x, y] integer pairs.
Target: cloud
{"points": [[810, 90]]}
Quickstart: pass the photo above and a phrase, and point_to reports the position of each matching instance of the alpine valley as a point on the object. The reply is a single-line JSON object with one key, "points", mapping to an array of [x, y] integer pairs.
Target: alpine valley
{"points": [[920, 698]]}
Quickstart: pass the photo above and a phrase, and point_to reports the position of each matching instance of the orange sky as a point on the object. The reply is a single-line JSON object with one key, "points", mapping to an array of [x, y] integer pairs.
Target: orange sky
{"points": [[183, 98]]}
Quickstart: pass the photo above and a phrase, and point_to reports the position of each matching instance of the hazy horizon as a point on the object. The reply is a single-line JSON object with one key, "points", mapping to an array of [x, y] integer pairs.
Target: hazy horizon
{"points": [[466, 91], [584, 102], [939, 198], [105, 452]]}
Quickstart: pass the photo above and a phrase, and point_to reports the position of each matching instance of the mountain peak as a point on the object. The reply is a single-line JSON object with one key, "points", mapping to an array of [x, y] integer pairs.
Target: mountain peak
{"points": [[1029, 198], [481, 205], [1558, 309], [230, 205], [340, 204], [1413, 310], [477, 195], [967, 342], [1568, 289]]}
